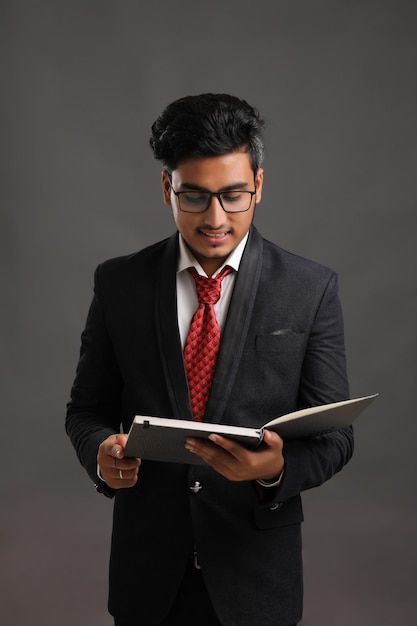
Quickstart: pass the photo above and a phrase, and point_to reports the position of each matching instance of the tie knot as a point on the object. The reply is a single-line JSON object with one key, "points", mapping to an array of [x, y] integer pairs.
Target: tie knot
{"points": [[209, 289]]}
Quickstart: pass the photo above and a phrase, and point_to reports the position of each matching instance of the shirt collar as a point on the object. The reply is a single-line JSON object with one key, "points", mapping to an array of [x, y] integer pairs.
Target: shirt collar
{"points": [[186, 258]]}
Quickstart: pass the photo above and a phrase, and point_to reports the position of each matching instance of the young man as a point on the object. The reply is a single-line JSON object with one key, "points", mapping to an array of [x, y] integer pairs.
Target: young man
{"points": [[218, 543]]}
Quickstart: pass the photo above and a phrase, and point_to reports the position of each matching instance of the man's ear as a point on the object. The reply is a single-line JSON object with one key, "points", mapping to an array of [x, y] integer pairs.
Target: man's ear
{"points": [[166, 187], [259, 181]]}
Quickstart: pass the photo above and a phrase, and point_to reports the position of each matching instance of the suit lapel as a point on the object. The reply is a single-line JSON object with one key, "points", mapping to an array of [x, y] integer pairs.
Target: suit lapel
{"points": [[168, 333], [236, 328]]}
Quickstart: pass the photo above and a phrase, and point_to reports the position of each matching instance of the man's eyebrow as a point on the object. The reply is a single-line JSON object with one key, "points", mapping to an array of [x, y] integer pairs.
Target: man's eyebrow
{"points": [[193, 187]]}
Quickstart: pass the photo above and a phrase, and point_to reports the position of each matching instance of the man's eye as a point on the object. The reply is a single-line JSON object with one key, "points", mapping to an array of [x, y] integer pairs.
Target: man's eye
{"points": [[195, 198], [232, 196]]}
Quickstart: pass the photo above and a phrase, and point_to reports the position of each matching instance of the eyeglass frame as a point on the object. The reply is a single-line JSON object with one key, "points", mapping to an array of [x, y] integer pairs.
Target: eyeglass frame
{"points": [[210, 194]]}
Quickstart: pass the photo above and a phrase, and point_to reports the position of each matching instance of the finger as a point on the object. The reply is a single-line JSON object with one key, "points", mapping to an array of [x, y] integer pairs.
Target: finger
{"points": [[121, 478], [231, 446], [113, 445], [203, 448], [215, 456], [125, 475], [125, 464], [197, 446], [206, 446], [110, 459]]}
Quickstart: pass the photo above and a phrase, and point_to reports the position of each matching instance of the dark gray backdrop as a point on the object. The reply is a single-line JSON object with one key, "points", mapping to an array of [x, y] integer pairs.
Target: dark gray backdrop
{"points": [[82, 83]]}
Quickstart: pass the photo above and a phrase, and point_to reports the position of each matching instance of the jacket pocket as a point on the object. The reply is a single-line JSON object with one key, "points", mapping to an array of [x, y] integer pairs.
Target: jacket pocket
{"points": [[285, 340]]}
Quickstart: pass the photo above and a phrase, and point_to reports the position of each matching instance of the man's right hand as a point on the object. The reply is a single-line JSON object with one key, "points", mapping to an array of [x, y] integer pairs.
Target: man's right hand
{"points": [[117, 471]]}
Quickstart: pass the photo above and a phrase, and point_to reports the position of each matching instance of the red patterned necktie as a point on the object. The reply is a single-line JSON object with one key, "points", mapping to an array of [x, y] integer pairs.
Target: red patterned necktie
{"points": [[203, 341]]}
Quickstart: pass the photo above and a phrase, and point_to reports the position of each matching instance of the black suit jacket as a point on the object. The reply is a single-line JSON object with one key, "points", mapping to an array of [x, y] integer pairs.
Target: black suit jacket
{"points": [[282, 349]]}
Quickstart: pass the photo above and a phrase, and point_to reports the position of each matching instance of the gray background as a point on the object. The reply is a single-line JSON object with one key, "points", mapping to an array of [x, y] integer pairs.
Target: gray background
{"points": [[82, 83]]}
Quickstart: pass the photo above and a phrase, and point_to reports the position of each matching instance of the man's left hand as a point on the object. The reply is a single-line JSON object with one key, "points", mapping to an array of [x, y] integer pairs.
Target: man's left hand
{"points": [[236, 462]]}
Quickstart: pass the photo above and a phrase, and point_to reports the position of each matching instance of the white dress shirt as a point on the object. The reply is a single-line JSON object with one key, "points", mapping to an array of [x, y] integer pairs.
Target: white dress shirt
{"points": [[187, 301]]}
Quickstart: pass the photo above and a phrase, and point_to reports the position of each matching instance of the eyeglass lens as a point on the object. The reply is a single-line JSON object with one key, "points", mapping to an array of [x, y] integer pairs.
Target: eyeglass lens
{"points": [[199, 201]]}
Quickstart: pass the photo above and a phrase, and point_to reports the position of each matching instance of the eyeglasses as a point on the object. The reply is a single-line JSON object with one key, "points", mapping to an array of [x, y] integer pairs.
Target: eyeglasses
{"points": [[199, 201]]}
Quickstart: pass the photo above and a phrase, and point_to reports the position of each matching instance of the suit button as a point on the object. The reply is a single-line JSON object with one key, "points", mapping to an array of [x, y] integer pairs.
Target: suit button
{"points": [[275, 506], [196, 487]]}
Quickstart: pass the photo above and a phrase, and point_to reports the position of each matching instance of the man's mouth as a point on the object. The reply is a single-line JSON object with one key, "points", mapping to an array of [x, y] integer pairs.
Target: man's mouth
{"points": [[214, 235]]}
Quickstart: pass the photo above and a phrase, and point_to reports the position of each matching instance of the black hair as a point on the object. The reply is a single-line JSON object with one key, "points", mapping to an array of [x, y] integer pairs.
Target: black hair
{"points": [[204, 126]]}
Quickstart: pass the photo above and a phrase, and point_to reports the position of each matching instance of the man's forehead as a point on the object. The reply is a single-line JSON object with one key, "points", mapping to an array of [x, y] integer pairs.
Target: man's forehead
{"points": [[226, 165]]}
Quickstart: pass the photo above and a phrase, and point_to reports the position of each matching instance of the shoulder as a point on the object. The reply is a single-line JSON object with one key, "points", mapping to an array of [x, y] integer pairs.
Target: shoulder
{"points": [[294, 281], [136, 259], [119, 276], [281, 261], [143, 261]]}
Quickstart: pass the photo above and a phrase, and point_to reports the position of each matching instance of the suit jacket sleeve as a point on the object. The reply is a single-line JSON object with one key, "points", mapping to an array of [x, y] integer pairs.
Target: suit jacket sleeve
{"points": [[94, 409]]}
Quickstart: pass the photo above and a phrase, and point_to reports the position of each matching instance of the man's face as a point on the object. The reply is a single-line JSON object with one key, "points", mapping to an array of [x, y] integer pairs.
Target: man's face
{"points": [[212, 235]]}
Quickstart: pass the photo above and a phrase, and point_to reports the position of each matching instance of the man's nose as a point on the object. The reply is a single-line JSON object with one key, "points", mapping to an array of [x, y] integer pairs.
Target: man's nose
{"points": [[215, 213]]}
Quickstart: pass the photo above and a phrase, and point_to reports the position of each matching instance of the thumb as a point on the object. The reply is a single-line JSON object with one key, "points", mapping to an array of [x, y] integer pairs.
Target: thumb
{"points": [[118, 446], [272, 439]]}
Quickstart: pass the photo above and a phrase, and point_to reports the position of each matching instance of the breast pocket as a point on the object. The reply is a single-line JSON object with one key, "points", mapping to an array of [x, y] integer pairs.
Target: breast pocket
{"points": [[284, 341]]}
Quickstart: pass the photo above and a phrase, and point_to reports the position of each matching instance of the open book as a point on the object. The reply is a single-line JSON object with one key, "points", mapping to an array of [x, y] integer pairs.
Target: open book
{"points": [[163, 439]]}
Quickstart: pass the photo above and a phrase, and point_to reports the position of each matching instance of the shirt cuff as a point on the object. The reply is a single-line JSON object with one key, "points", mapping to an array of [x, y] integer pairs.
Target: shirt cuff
{"points": [[99, 474], [267, 484]]}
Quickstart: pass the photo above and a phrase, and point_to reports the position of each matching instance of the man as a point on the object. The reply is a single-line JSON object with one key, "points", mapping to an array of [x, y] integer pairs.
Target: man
{"points": [[218, 543]]}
